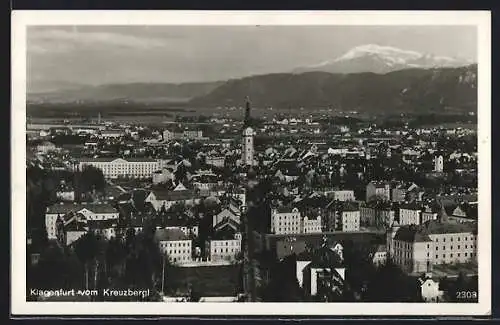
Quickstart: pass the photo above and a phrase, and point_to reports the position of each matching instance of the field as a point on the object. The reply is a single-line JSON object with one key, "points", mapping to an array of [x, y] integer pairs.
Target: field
{"points": [[206, 280], [452, 270]]}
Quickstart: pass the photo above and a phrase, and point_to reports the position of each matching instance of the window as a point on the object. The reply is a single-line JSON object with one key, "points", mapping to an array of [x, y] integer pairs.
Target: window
{"points": [[458, 247], [444, 239], [458, 238], [451, 247], [465, 254], [458, 254], [444, 255], [437, 256], [465, 246], [444, 247]]}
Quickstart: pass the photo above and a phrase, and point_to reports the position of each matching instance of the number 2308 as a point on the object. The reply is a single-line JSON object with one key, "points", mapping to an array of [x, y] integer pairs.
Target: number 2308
{"points": [[466, 294]]}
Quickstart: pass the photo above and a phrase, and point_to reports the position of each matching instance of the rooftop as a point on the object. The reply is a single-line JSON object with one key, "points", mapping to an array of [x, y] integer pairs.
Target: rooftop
{"points": [[170, 234], [69, 207], [420, 233]]}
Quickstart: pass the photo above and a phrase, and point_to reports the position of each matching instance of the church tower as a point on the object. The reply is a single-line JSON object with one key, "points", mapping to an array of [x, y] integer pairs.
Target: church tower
{"points": [[248, 134], [248, 150], [438, 164]]}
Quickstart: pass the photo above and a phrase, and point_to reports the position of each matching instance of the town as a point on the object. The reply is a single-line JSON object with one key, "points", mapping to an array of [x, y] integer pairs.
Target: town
{"points": [[291, 207]]}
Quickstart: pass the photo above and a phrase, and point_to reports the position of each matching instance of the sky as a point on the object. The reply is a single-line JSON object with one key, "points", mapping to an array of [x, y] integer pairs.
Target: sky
{"points": [[58, 56]]}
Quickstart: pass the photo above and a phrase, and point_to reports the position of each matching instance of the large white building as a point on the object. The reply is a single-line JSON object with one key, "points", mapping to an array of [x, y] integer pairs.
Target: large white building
{"points": [[417, 248], [119, 167]]}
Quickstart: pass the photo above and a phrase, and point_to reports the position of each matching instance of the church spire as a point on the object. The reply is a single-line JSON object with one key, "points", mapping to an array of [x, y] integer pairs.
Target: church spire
{"points": [[246, 122], [442, 216]]}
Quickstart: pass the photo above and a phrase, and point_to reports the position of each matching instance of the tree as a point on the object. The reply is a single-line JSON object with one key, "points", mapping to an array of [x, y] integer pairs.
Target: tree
{"points": [[92, 178], [87, 248]]}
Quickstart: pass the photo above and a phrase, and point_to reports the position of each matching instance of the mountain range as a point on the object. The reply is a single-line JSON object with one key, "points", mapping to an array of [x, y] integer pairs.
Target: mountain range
{"points": [[382, 59], [405, 90], [138, 92], [366, 78]]}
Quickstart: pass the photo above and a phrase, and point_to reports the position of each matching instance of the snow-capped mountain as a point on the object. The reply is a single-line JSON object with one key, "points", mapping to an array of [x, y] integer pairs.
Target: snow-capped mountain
{"points": [[382, 59]]}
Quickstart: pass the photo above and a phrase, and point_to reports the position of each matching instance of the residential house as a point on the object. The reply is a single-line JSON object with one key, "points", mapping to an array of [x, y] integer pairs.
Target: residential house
{"points": [[225, 250], [216, 161], [430, 212], [163, 176], [342, 216], [230, 213], [175, 245], [104, 228], [410, 214], [166, 199], [380, 215], [341, 195], [379, 256], [312, 225], [428, 288], [462, 213], [322, 269], [91, 211], [404, 192], [378, 190], [285, 220], [74, 227], [111, 134], [46, 147]]}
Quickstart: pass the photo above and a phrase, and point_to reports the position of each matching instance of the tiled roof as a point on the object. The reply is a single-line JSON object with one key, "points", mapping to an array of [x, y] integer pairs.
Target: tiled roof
{"points": [[284, 209], [322, 257], [94, 207], [225, 223], [169, 234], [76, 226], [379, 184], [101, 224], [420, 233], [411, 234], [410, 206], [350, 206], [174, 195], [435, 227]]}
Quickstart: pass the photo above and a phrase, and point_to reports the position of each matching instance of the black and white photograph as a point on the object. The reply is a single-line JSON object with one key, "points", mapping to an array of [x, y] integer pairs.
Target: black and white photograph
{"points": [[254, 163]]}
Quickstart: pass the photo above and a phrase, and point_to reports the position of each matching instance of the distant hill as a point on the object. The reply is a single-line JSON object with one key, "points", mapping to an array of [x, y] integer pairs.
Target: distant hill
{"points": [[151, 92], [423, 90], [383, 59]]}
